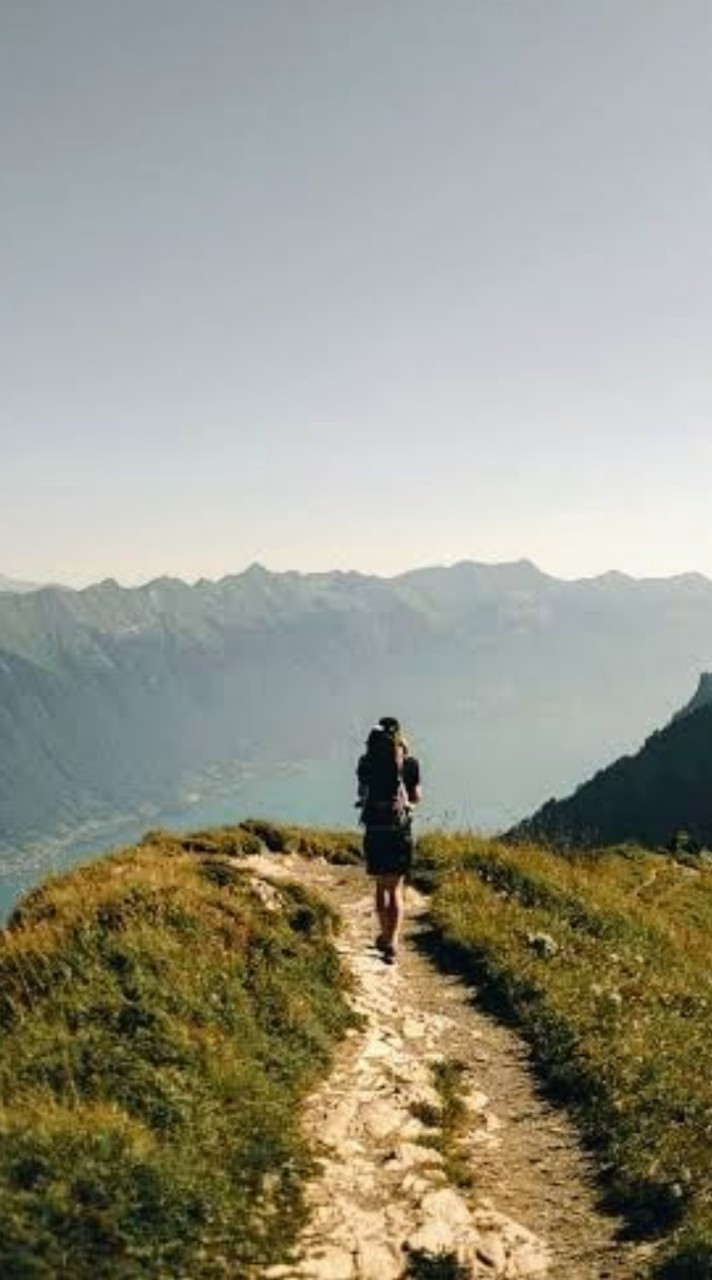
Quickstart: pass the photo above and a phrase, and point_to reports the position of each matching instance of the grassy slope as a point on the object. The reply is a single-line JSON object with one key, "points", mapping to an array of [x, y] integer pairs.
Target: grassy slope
{"points": [[604, 961], [160, 1022]]}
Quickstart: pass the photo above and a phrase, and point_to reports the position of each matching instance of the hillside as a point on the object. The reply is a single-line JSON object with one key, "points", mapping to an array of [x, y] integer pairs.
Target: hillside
{"points": [[171, 1017], [601, 959], [163, 1013], [114, 701], [662, 796]]}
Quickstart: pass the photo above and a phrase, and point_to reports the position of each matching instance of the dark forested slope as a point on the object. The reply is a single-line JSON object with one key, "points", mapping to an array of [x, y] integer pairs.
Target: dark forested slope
{"points": [[660, 796]]}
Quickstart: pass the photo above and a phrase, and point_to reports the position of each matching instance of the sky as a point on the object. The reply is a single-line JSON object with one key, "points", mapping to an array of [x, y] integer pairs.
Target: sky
{"points": [[325, 284]]}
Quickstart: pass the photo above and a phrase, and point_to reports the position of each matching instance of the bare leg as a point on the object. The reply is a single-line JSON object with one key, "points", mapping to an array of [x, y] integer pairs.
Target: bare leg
{"points": [[397, 909], [389, 907], [381, 910]]}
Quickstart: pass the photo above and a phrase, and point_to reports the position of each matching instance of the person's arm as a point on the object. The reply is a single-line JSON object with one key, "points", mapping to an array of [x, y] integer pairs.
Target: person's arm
{"points": [[361, 772], [411, 778]]}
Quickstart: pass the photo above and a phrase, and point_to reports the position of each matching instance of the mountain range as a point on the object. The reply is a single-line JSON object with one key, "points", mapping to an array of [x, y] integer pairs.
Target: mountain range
{"points": [[661, 796], [514, 684]]}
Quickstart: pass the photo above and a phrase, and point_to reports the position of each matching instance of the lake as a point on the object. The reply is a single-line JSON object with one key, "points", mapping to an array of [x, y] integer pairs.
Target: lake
{"points": [[315, 793]]}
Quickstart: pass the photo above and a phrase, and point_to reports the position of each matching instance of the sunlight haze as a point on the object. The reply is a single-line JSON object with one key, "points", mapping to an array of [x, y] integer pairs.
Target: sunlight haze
{"points": [[330, 285]]}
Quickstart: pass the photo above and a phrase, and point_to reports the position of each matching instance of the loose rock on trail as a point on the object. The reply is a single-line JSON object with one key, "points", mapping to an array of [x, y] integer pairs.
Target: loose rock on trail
{"points": [[382, 1207]]}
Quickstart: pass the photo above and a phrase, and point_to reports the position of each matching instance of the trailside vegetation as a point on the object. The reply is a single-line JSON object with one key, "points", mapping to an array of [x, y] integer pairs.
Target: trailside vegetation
{"points": [[163, 1011], [602, 959]]}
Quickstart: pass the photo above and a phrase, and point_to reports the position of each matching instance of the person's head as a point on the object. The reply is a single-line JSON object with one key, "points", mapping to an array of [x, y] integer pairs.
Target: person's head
{"points": [[390, 726]]}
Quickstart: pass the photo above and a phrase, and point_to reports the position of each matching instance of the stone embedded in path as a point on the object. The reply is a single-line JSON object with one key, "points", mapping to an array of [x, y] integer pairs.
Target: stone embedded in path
{"points": [[477, 1239], [375, 1261], [516, 1252], [433, 1237], [445, 1205], [382, 1190], [382, 1118], [476, 1100], [409, 1154]]}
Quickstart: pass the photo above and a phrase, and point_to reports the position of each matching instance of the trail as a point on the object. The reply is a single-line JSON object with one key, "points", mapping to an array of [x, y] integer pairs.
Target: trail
{"points": [[382, 1207]]}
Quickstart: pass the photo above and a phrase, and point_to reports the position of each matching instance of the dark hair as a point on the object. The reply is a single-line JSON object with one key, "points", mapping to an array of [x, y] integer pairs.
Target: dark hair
{"points": [[382, 758], [374, 740]]}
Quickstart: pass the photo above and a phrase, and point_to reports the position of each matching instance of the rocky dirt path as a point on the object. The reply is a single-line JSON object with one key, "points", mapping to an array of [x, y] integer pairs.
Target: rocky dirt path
{"points": [[383, 1207]]}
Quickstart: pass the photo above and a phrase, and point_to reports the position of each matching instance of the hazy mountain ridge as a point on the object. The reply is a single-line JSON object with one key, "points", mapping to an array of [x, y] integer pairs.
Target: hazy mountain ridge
{"points": [[514, 683], [11, 584], [661, 796]]}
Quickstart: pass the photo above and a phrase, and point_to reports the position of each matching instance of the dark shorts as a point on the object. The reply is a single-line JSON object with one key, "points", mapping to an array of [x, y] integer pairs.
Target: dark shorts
{"points": [[388, 851]]}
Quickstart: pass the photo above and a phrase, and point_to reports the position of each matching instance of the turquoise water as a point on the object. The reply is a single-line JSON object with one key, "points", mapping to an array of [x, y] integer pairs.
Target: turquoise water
{"points": [[320, 793], [317, 793]]}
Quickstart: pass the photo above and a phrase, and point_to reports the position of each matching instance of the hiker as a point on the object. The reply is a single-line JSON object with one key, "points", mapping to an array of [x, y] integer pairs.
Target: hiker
{"points": [[388, 788]]}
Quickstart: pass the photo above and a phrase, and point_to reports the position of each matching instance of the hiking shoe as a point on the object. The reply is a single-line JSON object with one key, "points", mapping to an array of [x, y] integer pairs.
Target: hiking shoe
{"points": [[389, 953], [380, 944]]}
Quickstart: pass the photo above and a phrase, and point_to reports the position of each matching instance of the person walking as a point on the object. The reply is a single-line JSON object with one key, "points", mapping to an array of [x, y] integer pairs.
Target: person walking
{"points": [[388, 788]]}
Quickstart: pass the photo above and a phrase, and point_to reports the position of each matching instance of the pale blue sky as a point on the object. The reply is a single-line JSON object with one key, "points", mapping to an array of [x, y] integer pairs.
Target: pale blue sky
{"points": [[354, 283]]}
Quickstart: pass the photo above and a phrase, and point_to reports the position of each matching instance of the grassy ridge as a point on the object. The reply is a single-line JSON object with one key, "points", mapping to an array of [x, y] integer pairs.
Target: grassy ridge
{"points": [[604, 961], [160, 1019]]}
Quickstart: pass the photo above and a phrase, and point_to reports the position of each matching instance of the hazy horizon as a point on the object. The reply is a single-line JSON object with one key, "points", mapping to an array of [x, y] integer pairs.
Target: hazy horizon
{"points": [[374, 286], [129, 584]]}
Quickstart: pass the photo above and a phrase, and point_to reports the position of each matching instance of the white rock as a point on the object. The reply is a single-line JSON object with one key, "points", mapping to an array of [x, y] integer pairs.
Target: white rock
{"points": [[382, 1118], [367, 1225], [432, 1237], [475, 1100], [445, 1205], [334, 1131], [531, 1259], [526, 1255], [489, 1248], [410, 1154], [414, 1185], [378, 1262], [352, 1149], [413, 1029]]}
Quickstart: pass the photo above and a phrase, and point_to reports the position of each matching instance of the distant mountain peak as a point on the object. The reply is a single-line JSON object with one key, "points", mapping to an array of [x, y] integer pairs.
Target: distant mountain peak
{"points": [[611, 577], [501, 566]]}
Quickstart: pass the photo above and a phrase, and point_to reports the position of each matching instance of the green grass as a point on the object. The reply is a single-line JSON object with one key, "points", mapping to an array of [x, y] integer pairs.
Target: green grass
{"points": [[603, 960], [160, 1023], [256, 835], [447, 1122]]}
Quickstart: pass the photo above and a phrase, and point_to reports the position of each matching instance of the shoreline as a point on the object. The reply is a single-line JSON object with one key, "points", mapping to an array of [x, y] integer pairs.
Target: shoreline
{"points": [[219, 796]]}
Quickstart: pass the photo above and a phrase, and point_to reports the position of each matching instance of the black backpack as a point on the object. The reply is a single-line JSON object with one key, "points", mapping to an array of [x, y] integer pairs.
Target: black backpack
{"points": [[385, 799]]}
